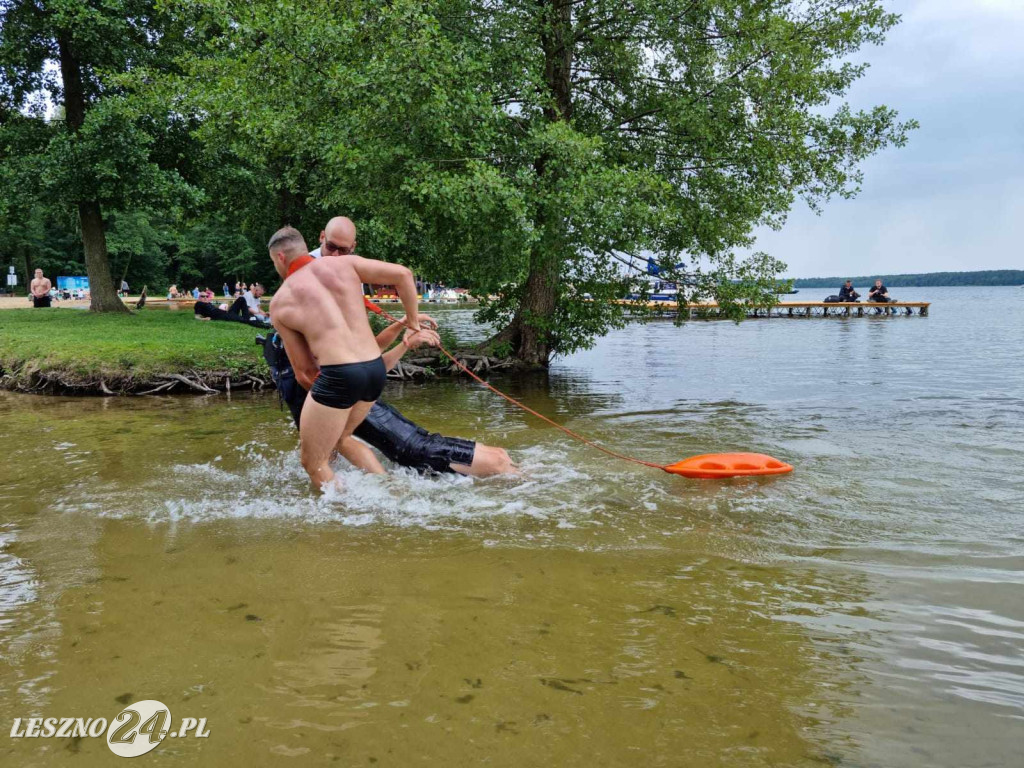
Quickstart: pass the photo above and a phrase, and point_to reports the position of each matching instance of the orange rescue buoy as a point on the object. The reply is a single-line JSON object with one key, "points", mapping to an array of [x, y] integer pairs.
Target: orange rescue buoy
{"points": [[728, 465]]}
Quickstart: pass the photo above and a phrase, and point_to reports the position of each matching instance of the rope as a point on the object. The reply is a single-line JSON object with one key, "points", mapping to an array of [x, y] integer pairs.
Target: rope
{"points": [[526, 408]]}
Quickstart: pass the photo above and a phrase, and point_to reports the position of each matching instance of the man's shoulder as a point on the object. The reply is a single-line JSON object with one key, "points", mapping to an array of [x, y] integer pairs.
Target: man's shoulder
{"points": [[281, 295]]}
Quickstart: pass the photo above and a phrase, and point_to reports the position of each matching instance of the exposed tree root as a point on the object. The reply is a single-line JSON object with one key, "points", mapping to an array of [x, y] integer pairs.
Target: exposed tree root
{"points": [[31, 376]]}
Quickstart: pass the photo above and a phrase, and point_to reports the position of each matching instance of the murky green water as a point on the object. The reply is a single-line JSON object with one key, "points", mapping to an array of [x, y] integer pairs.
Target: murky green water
{"points": [[866, 610]]}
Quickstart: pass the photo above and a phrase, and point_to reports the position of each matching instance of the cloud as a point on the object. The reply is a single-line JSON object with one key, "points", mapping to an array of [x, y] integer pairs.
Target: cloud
{"points": [[953, 199]]}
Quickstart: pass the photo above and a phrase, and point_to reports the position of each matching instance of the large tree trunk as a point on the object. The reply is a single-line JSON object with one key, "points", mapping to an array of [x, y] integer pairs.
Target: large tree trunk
{"points": [[102, 291], [532, 344], [90, 216]]}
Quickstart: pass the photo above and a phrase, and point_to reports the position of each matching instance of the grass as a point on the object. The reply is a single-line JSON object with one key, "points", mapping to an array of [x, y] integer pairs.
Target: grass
{"points": [[78, 347]]}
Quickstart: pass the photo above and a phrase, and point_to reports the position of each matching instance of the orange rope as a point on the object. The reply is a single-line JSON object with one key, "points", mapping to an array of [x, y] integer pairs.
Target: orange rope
{"points": [[526, 408]]}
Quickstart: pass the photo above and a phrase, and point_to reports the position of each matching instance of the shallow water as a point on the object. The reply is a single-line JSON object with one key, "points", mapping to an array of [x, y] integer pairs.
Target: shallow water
{"points": [[865, 610]]}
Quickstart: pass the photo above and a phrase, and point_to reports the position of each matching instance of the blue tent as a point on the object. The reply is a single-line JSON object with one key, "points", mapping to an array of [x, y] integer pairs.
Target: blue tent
{"points": [[72, 283]]}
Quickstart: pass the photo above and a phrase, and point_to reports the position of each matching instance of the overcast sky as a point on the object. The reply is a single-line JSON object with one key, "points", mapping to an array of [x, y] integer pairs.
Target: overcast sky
{"points": [[953, 198]]}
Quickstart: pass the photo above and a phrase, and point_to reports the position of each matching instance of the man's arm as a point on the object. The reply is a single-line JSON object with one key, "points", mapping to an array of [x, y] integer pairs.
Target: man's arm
{"points": [[383, 273], [387, 337], [300, 355], [393, 355]]}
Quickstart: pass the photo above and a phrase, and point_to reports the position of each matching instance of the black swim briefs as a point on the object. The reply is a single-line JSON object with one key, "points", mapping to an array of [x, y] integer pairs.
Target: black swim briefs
{"points": [[342, 386], [40, 301]]}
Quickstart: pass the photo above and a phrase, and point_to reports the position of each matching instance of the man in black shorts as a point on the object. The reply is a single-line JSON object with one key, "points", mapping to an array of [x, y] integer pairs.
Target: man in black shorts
{"points": [[391, 433], [40, 290]]}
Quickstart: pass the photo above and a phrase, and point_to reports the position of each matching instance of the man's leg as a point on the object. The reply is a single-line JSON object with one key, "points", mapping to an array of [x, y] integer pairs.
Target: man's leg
{"points": [[320, 430], [360, 455], [487, 461], [240, 308], [350, 446]]}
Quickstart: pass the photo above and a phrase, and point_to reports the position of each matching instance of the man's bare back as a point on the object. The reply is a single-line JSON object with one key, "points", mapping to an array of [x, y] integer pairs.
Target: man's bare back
{"points": [[320, 315], [323, 302]]}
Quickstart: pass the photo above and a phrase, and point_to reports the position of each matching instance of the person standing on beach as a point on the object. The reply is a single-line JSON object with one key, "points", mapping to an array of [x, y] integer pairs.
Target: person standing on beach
{"points": [[40, 290], [320, 315]]}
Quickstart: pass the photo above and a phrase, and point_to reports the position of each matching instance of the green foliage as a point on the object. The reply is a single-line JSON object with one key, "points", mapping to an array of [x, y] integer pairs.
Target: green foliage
{"points": [[514, 147]]}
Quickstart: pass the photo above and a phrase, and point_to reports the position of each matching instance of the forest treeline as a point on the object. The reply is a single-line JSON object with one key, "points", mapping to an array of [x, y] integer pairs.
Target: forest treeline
{"points": [[923, 280]]}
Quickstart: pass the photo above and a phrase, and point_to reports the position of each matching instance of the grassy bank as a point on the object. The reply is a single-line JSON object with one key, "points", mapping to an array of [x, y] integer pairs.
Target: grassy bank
{"points": [[158, 351], [76, 351]]}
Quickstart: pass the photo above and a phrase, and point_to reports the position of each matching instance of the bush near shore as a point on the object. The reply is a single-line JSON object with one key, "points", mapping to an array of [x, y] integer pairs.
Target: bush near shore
{"points": [[158, 351]]}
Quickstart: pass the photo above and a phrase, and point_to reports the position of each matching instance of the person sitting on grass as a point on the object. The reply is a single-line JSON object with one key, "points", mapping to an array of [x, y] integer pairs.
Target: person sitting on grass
{"points": [[247, 305], [204, 310]]}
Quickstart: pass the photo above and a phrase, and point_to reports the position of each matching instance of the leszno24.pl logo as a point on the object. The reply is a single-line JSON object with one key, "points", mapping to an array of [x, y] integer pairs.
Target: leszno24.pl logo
{"points": [[134, 731]]}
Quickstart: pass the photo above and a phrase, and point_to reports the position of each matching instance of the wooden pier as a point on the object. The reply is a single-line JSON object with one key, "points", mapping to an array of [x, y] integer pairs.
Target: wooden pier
{"points": [[797, 308]]}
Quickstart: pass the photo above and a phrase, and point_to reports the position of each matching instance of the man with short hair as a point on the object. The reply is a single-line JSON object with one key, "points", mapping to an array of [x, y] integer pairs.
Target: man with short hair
{"points": [[252, 300], [847, 292], [385, 428], [39, 289], [320, 315], [879, 293], [247, 306]]}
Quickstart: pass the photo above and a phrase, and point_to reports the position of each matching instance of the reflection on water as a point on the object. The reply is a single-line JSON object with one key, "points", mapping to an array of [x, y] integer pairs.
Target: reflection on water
{"points": [[864, 610]]}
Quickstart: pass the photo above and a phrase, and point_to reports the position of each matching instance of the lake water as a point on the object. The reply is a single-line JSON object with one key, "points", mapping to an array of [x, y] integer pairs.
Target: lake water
{"points": [[867, 610]]}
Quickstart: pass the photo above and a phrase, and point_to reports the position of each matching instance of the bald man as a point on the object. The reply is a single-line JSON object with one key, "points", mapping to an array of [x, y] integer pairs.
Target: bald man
{"points": [[320, 315], [338, 238]]}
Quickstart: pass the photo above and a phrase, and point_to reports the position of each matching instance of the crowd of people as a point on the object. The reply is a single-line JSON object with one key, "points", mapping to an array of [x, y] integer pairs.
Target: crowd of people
{"points": [[207, 293]]}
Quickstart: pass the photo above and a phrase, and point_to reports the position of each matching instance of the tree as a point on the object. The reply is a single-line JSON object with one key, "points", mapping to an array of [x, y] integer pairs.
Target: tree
{"points": [[97, 156], [519, 146]]}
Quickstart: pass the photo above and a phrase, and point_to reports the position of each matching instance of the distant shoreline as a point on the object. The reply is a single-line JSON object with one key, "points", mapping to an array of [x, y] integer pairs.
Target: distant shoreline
{"points": [[991, 277]]}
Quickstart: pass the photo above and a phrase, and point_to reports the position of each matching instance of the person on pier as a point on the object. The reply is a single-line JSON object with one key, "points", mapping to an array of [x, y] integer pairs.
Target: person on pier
{"points": [[847, 292], [879, 293]]}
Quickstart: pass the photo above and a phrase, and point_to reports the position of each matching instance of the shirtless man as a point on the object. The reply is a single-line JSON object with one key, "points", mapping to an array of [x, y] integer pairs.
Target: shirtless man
{"points": [[320, 316], [40, 289], [385, 427]]}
